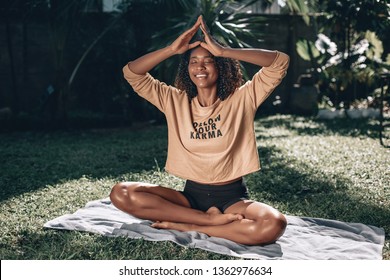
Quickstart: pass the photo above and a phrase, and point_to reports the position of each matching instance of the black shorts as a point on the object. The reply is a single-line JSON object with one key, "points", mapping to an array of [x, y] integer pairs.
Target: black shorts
{"points": [[202, 196]]}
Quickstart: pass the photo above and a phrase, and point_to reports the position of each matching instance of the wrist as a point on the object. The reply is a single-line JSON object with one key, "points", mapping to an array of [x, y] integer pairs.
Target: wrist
{"points": [[168, 51], [225, 52]]}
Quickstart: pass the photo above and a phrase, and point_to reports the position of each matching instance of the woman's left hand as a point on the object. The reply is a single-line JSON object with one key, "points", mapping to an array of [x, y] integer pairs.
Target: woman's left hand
{"points": [[210, 44]]}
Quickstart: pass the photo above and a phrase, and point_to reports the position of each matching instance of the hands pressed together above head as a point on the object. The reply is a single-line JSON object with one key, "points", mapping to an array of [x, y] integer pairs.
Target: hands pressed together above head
{"points": [[183, 42]]}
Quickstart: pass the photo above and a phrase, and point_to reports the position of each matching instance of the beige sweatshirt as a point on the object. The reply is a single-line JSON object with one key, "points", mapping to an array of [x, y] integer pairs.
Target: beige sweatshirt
{"points": [[212, 144]]}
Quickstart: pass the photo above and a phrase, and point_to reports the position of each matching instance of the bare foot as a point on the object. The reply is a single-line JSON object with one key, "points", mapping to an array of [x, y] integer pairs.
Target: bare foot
{"points": [[218, 218], [172, 225]]}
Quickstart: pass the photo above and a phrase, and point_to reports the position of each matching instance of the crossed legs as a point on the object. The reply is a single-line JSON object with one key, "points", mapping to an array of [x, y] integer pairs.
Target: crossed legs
{"points": [[245, 222]]}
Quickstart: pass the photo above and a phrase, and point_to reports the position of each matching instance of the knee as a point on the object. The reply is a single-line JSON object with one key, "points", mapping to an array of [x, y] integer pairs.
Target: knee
{"points": [[280, 225], [121, 194], [268, 230]]}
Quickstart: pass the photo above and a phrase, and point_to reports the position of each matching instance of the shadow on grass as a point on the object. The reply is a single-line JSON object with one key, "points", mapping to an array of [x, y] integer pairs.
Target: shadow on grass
{"points": [[311, 126], [302, 191], [33, 160]]}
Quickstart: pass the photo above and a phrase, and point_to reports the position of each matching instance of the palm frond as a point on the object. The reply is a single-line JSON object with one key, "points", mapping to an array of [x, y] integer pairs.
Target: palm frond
{"points": [[300, 7]]}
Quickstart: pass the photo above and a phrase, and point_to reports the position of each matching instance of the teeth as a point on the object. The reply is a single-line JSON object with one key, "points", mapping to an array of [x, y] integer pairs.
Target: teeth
{"points": [[200, 75]]}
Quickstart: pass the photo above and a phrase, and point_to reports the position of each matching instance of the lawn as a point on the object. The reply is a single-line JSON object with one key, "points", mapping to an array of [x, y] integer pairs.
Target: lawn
{"points": [[326, 169]]}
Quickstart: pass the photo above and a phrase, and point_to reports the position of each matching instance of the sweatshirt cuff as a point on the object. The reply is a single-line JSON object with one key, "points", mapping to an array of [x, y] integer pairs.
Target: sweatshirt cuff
{"points": [[281, 61]]}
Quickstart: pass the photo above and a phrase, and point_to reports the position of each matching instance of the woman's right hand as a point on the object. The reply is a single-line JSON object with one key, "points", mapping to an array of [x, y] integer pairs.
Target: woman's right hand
{"points": [[182, 43]]}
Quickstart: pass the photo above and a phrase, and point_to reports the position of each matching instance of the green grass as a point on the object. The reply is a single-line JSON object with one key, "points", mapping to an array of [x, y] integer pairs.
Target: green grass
{"points": [[325, 169]]}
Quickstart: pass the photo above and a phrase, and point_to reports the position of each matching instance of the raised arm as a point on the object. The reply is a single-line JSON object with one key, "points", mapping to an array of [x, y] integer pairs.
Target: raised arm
{"points": [[259, 57], [147, 62]]}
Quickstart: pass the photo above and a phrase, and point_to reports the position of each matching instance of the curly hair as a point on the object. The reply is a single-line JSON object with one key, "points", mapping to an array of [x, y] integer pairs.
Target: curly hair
{"points": [[229, 76]]}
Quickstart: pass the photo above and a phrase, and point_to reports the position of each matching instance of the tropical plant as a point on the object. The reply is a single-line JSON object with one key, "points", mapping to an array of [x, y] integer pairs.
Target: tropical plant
{"points": [[353, 55], [346, 18], [339, 74]]}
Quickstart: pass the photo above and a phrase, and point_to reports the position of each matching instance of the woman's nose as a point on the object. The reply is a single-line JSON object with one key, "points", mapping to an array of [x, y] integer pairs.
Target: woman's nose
{"points": [[200, 65]]}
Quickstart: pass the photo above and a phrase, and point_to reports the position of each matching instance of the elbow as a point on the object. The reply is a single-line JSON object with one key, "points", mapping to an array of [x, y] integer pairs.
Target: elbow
{"points": [[285, 58]]}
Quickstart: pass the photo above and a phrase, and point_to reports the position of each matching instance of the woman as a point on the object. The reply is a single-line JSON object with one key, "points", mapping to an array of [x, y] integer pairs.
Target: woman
{"points": [[211, 140]]}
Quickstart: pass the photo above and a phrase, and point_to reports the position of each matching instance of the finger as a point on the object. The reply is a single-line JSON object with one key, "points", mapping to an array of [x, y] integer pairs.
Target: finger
{"points": [[205, 46], [193, 45], [206, 33], [186, 36], [204, 26], [191, 31], [208, 39], [196, 25], [203, 30]]}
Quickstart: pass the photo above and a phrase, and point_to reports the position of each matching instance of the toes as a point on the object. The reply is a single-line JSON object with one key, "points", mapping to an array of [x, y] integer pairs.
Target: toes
{"points": [[158, 224], [236, 217]]}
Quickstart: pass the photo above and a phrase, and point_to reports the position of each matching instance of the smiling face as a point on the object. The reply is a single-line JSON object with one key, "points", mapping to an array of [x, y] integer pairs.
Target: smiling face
{"points": [[202, 69]]}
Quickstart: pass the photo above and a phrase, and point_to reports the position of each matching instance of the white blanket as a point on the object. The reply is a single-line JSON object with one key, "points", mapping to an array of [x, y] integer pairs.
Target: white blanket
{"points": [[305, 238]]}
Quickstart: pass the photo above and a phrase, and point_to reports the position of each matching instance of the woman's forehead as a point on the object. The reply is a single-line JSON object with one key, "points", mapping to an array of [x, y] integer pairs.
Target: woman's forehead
{"points": [[200, 52]]}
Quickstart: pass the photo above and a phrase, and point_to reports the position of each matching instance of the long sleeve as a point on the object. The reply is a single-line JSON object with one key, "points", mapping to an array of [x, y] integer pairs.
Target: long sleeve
{"points": [[267, 79], [151, 89]]}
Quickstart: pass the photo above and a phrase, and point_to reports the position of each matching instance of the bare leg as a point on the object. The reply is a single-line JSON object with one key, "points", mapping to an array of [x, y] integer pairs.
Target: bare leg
{"points": [[157, 203], [262, 224]]}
